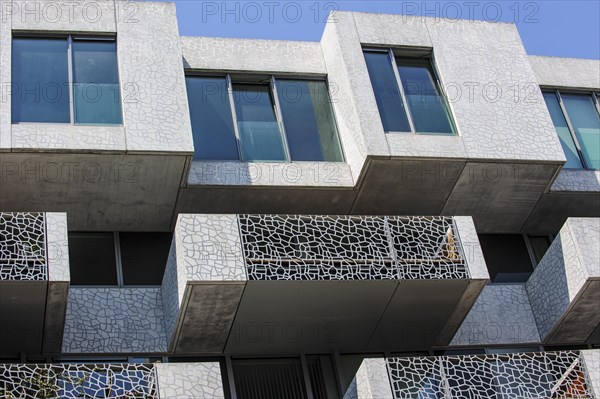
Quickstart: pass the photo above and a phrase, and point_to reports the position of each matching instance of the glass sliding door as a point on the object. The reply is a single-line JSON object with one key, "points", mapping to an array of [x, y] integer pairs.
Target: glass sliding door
{"points": [[96, 91], [309, 123], [40, 76], [586, 123], [259, 130], [562, 129], [212, 122], [427, 106], [387, 94]]}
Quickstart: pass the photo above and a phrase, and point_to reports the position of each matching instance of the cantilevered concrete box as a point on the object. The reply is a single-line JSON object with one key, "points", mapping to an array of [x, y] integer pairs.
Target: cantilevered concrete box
{"points": [[277, 283]]}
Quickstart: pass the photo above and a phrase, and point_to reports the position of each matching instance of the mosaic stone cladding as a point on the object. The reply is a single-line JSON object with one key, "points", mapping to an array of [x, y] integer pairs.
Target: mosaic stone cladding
{"points": [[23, 246], [515, 375], [114, 320], [77, 381], [285, 247], [190, 380]]}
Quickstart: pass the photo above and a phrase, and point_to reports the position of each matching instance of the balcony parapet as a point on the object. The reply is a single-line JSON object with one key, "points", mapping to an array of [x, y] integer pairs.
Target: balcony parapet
{"points": [[564, 289], [224, 271], [516, 375], [34, 280], [149, 381]]}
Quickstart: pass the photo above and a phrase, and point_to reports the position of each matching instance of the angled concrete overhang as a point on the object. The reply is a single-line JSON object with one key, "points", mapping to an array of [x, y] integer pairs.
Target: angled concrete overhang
{"points": [[276, 283], [34, 282], [564, 289]]}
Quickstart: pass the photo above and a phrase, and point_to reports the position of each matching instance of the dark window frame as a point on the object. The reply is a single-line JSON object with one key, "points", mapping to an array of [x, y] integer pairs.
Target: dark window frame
{"points": [[428, 60], [271, 81], [595, 96], [70, 37], [118, 265]]}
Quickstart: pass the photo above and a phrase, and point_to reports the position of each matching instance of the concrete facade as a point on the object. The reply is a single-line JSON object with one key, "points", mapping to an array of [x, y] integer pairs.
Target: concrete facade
{"points": [[377, 256]]}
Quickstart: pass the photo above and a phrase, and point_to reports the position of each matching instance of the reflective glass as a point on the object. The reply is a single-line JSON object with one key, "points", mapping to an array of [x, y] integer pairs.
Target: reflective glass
{"points": [[144, 257], [562, 129], [92, 259], [260, 135], [308, 119], [212, 123], [586, 123], [40, 79], [427, 107], [387, 93], [96, 82]]}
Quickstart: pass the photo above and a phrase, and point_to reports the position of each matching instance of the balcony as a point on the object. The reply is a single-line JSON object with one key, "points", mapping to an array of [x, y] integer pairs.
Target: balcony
{"points": [[149, 381], [499, 376], [273, 283], [34, 280], [564, 289]]}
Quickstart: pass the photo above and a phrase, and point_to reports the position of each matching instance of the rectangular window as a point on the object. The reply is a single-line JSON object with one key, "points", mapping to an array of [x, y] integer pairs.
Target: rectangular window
{"points": [[266, 120], [210, 113], [65, 80], [506, 257], [538, 246], [576, 118], [92, 259], [118, 259], [308, 119], [96, 82], [260, 133], [41, 80], [408, 94]]}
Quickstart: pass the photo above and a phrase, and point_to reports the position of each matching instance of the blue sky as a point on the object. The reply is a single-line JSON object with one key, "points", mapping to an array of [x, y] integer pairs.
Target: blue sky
{"points": [[559, 28]]}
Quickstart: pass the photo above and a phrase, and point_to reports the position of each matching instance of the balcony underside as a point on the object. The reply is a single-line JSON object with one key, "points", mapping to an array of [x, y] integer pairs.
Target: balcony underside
{"points": [[321, 316], [499, 195], [99, 192]]}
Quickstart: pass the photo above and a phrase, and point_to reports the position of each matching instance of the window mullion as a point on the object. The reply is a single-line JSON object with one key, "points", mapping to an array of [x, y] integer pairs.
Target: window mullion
{"points": [[234, 117], [70, 74], [279, 116], [118, 260], [596, 98], [402, 94], [571, 129]]}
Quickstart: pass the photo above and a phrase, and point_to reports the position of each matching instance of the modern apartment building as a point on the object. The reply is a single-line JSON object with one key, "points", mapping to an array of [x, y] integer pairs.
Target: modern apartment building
{"points": [[409, 208]]}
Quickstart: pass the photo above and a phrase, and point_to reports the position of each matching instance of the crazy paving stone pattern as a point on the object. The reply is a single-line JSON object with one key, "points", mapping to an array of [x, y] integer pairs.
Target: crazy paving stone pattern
{"points": [[516, 375], [78, 381], [22, 246], [114, 320], [190, 380], [286, 247]]}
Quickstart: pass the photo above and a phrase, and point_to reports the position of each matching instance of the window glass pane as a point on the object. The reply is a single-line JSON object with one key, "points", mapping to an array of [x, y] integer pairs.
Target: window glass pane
{"points": [[92, 259], [260, 135], [539, 246], [387, 94], [586, 122], [308, 119], [322, 376], [40, 76], [427, 107], [144, 257], [96, 82], [212, 124], [268, 378], [506, 257], [562, 129]]}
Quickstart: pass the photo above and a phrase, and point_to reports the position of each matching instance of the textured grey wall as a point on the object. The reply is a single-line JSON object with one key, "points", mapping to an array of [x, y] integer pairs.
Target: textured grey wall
{"points": [[114, 320]]}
